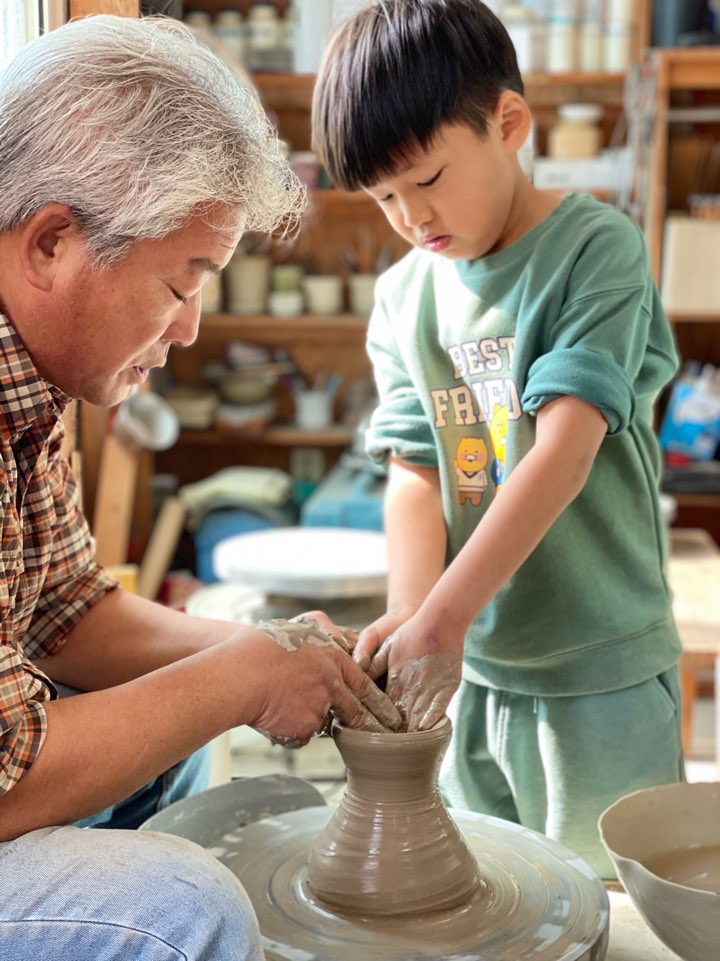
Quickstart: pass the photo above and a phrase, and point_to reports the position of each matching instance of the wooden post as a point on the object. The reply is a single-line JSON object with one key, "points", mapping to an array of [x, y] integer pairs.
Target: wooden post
{"points": [[121, 8]]}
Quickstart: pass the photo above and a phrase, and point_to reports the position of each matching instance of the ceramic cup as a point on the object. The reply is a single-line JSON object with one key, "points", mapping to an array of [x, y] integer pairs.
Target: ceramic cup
{"points": [[248, 283], [313, 409], [286, 277], [323, 293], [361, 289], [285, 303]]}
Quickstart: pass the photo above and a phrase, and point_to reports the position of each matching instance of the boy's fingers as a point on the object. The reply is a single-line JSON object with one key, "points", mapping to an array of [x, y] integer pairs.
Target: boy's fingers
{"points": [[379, 664]]}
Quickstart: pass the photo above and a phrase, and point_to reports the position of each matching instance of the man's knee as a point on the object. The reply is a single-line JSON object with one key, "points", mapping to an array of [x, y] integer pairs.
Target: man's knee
{"points": [[164, 890]]}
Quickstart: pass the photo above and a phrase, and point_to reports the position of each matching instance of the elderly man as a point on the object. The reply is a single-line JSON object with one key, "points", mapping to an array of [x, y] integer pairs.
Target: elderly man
{"points": [[131, 162]]}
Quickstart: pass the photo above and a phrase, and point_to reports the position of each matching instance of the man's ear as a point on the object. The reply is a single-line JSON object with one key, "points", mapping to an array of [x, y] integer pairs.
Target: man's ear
{"points": [[44, 241], [514, 119]]}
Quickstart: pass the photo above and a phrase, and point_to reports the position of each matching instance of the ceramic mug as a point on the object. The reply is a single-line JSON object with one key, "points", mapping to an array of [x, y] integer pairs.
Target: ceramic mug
{"points": [[248, 283], [313, 409], [362, 293], [323, 293]]}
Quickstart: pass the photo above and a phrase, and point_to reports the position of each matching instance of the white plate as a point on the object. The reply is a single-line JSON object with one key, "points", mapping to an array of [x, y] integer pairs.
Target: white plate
{"points": [[311, 562]]}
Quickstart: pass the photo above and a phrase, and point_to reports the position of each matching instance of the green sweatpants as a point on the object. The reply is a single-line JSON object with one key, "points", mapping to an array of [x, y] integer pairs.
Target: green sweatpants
{"points": [[554, 764]]}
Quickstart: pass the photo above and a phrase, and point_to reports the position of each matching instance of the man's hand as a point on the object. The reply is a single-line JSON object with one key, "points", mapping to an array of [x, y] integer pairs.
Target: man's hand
{"points": [[309, 676]]}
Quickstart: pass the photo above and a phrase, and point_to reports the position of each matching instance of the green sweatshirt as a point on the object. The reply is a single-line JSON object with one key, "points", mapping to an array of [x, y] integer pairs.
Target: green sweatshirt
{"points": [[465, 354]]}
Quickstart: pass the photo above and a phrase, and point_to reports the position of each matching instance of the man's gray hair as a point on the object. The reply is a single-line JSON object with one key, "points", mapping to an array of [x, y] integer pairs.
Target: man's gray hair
{"points": [[136, 126]]}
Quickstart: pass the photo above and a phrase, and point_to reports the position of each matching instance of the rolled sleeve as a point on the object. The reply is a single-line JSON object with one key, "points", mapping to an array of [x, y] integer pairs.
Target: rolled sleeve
{"points": [[23, 722], [586, 374]]}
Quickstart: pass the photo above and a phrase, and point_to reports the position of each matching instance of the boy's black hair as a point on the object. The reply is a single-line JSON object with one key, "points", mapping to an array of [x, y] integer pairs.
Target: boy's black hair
{"points": [[396, 72]]}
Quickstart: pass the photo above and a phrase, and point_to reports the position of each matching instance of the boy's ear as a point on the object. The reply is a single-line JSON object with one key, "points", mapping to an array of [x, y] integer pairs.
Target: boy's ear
{"points": [[45, 239], [514, 119]]}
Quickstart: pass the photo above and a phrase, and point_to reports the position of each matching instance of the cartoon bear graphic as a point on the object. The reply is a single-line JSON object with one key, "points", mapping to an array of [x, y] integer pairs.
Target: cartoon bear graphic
{"points": [[470, 460]]}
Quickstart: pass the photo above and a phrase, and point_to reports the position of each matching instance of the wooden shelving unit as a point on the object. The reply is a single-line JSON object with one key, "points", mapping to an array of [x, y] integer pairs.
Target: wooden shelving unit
{"points": [[683, 77], [687, 112]]}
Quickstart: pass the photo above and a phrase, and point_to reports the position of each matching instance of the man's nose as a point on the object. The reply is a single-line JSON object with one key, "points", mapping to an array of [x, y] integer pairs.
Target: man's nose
{"points": [[184, 329]]}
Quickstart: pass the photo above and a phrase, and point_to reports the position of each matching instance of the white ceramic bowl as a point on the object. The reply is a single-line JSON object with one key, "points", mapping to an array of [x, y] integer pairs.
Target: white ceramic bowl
{"points": [[246, 386], [664, 833]]}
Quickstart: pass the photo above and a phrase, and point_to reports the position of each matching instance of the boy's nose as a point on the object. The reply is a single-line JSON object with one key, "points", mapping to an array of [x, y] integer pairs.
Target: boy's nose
{"points": [[415, 213]]}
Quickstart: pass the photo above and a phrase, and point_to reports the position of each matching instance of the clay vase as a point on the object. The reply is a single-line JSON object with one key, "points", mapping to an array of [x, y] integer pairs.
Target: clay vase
{"points": [[391, 848]]}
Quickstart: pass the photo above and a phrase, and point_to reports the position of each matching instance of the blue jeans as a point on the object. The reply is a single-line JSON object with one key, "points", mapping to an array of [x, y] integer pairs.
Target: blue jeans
{"points": [[119, 895], [72, 895]]}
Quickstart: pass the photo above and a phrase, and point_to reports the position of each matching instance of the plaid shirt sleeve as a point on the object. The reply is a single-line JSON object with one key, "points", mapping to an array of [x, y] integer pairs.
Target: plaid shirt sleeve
{"points": [[60, 583], [74, 582]]}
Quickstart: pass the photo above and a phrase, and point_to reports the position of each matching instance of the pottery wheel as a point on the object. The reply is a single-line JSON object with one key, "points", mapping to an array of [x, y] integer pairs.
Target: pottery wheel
{"points": [[537, 901]]}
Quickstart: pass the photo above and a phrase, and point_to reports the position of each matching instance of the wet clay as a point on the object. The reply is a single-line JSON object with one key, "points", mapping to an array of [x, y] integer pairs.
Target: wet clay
{"points": [[695, 867], [391, 848]]}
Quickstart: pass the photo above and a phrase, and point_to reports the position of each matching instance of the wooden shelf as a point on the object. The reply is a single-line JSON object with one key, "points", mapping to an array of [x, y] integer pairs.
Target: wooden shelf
{"points": [[697, 500], [275, 435], [279, 331], [694, 318]]}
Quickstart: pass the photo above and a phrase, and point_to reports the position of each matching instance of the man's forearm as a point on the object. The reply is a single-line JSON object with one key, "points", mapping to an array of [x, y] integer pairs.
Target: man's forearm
{"points": [[124, 637], [103, 746]]}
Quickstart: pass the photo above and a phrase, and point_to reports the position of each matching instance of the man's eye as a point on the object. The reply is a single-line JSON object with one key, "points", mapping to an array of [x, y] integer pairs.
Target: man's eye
{"points": [[431, 181], [178, 296]]}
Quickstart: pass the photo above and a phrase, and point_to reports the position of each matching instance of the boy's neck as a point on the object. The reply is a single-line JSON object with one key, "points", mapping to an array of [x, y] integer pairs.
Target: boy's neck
{"points": [[530, 207]]}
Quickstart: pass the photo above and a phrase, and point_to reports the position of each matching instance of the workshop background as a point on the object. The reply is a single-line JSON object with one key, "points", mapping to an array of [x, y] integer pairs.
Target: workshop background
{"points": [[251, 441]]}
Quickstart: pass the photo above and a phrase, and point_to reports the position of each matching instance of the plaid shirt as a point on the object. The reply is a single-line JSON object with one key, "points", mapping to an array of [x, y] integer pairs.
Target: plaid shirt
{"points": [[48, 578]]}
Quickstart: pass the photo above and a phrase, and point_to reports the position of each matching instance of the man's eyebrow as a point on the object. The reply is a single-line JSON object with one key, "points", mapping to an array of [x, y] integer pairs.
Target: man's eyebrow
{"points": [[204, 263]]}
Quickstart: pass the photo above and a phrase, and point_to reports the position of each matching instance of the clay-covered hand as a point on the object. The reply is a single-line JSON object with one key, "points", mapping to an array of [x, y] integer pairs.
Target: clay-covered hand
{"points": [[372, 638], [423, 672], [353, 698], [346, 637]]}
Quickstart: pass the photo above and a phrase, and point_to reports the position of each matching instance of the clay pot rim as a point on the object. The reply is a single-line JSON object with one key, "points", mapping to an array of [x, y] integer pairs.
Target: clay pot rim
{"points": [[356, 736]]}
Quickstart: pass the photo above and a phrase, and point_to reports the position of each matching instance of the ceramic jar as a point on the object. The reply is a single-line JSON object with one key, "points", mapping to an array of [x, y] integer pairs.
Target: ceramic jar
{"points": [[391, 848]]}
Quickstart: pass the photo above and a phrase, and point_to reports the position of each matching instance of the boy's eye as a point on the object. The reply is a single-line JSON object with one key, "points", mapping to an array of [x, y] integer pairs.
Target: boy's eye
{"points": [[431, 181]]}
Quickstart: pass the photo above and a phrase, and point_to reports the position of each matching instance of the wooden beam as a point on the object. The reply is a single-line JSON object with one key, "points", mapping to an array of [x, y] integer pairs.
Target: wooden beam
{"points": [[121, 8]]}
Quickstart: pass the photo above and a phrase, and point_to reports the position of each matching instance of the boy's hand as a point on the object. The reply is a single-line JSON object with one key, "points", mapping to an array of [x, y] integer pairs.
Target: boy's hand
{"points": [[372, 639], [423, 671]]}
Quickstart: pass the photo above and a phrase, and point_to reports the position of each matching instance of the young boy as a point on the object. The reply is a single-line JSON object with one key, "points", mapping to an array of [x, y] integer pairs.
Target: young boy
{"points": [[518, 351]]}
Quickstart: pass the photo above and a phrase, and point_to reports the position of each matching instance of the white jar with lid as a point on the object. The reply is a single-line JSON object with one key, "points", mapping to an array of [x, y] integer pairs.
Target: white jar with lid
{"points": [[621, 11], [562, 46], [526, 32], [263, 27], [576, 135], [617, 46], [591, 46], [230, 28]]}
